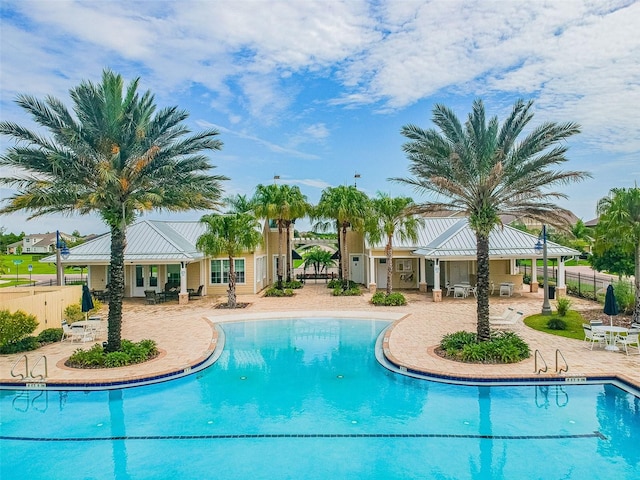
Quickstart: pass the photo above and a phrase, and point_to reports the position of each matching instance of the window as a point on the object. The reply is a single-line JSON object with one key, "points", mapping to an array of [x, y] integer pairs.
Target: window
{"points": [[220, 271], [153, 275], [173, 274], [403, 265]]}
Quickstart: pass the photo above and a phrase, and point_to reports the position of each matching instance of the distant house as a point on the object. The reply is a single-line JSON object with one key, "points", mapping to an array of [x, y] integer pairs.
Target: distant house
{"points": [[38, 243]]}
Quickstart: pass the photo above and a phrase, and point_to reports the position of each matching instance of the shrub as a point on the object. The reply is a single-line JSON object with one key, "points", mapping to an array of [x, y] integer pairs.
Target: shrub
{"points": [[129, 353], [504, 347], [50, 335], [352, 291], [563, 304], [624, 296], [25, 344], [14, 326], [340, 283], [277, 292], [393, 299], [556, 323], [293, 284], [74, 313]]}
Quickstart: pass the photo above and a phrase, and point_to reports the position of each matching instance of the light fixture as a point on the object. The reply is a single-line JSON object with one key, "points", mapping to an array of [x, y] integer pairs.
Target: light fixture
{"points": [[355, 179]]}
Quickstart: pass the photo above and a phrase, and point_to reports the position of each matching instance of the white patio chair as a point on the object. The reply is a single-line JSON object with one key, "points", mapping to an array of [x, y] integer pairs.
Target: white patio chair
{"points": [[449, 288], [626, 340], [505, 291], [593, 336]]}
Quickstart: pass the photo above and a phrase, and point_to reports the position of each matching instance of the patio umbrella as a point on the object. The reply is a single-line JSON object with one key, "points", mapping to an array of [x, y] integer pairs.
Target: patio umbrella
{"points": [[87, 301], [610, 304]]}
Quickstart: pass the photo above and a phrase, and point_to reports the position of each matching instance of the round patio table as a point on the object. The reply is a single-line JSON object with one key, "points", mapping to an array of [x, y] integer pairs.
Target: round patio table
{"points": [[611, 335]]}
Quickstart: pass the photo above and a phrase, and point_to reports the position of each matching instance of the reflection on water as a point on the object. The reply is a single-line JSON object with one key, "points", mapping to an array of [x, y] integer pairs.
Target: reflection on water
{"points": [[547, 393], [619, 419]]}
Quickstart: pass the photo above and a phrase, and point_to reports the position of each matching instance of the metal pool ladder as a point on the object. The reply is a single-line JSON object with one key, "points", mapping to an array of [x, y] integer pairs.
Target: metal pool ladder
{"points": [[30, 373], [537, 355]]}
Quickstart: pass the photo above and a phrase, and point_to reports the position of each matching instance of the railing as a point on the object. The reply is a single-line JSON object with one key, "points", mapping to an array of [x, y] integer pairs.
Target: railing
{"points": [[537, 355], [26, 368], [30, 373], [42, 376], [560, 369]]}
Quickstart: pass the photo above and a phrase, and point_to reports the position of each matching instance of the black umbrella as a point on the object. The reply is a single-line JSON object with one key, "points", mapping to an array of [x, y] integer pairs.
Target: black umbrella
{"points": [[610, 304], [87, 301]]}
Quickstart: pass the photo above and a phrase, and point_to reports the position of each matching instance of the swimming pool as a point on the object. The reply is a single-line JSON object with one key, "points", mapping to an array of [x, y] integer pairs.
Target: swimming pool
{"points": [[305, 398]]}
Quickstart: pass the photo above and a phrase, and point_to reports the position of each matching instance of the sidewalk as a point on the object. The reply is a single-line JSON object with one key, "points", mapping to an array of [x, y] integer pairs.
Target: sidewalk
{"points": [[185, 335]]}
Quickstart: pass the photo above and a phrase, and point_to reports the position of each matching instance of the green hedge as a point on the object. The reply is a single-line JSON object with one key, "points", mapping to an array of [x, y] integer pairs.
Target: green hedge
{"points": [[129, 353]]}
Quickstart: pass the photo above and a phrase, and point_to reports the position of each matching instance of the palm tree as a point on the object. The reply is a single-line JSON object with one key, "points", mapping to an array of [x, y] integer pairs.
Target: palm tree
{"points": [[348, 206], [392, 216], [485, 171], [267, 203], [118, 157], [619, 225], [295, 206], [319, 258], [230, 234]]}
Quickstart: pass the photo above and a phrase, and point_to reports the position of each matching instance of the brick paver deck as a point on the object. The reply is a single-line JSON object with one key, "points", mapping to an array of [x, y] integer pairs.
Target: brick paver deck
{"points": [[184, 334]]}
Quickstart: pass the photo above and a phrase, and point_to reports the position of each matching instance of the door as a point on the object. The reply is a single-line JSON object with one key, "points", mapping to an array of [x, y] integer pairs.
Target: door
{"points": [[145, 278], [356, 268], [381, 273]]}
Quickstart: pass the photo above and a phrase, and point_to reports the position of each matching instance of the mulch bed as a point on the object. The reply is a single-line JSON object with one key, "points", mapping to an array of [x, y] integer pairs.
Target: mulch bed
{"points": [[226, 306]]}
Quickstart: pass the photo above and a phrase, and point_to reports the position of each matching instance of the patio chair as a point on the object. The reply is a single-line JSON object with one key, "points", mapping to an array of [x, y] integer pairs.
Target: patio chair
{"points": [[505, 291], [626, 340], [593, 336], [151, 296], [98, 327], [196, 293], [449, 288]]}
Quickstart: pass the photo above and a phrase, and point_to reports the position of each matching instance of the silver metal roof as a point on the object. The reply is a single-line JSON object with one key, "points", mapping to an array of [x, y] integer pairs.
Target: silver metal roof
{"points": [[148, 241], [459, 241]]}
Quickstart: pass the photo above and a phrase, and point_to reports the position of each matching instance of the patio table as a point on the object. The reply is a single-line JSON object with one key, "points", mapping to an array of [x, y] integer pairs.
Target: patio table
{"points": [[610, 332]]}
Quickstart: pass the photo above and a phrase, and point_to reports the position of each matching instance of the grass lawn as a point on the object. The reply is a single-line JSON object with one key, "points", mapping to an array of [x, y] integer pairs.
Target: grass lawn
{"points": [[574, 324], [33, 260]]}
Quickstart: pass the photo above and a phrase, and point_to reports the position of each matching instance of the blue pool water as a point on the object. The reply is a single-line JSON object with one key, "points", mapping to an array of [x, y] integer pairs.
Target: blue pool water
{"points": [[305, 399]]}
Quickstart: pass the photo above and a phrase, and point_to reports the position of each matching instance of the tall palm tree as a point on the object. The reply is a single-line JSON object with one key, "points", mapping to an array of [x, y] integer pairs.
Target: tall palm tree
{"points": [[619, 225], [118, 156], [295, 206], [392, 216], [348, 206], [485, 170], [230, 234], [268, 204]]}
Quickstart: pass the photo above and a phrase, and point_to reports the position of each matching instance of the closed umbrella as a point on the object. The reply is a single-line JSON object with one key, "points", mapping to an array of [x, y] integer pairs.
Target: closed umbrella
{"points": [[610, 304], [87, 301]]}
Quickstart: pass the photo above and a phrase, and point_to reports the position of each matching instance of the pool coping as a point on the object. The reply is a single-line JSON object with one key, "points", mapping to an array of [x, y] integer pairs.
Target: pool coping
{"points": [[382, 351], [391, 363]]}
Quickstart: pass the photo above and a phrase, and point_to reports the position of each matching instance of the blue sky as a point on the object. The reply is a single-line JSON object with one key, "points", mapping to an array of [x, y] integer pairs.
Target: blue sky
{"points": [[317, 91]]}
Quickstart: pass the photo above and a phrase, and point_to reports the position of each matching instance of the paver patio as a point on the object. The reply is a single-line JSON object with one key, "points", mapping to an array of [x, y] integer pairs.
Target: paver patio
{"points": [[184, 334]]}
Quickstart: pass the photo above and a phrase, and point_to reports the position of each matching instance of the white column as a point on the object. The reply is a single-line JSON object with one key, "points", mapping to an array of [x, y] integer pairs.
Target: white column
{"points": [[183, 277], [436, 274], [560, 281], [423, 268], [371, 279], [534, 270]]}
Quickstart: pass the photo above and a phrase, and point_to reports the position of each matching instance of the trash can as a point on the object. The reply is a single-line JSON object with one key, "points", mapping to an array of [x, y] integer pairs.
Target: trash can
{"points": [[552, 292]]}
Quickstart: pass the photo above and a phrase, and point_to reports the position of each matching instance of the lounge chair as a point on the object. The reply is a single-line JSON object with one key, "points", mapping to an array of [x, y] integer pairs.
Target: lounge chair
{"points": [[626, 340], [73, 334], [513, 321], [504, 317], [593, 336]]}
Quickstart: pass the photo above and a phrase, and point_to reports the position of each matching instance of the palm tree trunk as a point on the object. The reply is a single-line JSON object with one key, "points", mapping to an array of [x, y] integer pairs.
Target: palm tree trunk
{"points": [[636, 281], [389, 252], [288, 252], [116, 289], [339, 251], [343, 257], [231, 302], [279, 285], [483, 329]]}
